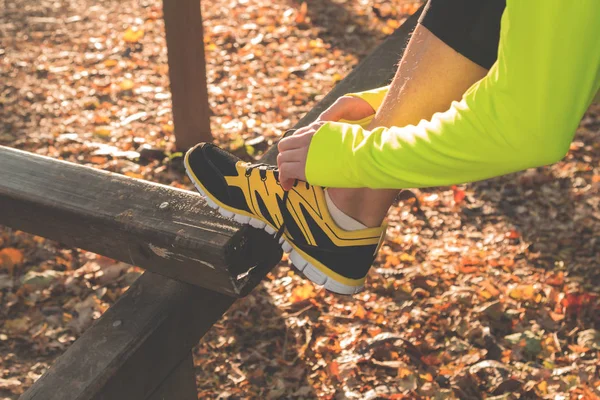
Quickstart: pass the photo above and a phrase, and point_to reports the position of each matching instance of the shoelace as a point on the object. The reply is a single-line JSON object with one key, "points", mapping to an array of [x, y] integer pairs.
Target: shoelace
{"points": [[262, 170]]}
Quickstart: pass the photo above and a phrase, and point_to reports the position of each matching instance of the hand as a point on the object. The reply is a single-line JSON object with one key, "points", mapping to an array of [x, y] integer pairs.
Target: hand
{"points": [[293, 151], [348, 108]]}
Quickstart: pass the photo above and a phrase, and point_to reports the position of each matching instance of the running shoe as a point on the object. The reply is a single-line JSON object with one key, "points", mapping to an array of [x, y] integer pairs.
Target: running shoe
{"points": [[299, 219]]}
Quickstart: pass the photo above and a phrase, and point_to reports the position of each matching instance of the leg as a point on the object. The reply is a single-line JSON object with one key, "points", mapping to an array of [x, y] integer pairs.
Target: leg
{"points": [[430, 76]]}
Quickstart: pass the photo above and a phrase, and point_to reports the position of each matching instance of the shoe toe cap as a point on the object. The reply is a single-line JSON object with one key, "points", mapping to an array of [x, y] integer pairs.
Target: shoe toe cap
{"points": [[209, 165]]}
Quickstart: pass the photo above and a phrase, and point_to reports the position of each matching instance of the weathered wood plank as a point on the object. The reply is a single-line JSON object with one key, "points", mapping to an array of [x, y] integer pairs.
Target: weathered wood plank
{"points": [[135, 345], [376, 70], [187, 72], [180, 384], [159, 228]]}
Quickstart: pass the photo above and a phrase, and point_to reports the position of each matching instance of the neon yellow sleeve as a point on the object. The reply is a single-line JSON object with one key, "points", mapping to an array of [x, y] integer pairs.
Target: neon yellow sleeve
{"points": [[522, 114]]}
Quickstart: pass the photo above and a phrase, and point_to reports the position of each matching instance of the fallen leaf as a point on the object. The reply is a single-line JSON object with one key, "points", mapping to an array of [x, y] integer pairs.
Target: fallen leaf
{"points": [[360, 312], [512, 234], [133, 35], [303, 292], [574, 303], [17, 325], [110, 62], [40, 280], [334, 369], [575, 348], [426, 377], [126, 84], [10, 258], [522, 292], [9, 384], [459, 194], [301, 15], [6, 281], [589, 338], [556, 279], [556, 316], [404, 372], [431, 360], [102, 131]]}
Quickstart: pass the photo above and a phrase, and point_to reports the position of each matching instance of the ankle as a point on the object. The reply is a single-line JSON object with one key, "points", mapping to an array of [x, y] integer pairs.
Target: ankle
{"points": [[340, 218], [352, 203]]}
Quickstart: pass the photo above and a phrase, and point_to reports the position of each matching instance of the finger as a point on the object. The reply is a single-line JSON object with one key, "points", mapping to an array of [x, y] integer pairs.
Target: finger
{"points": [[293, 155], [302, 130], [296, 141], [312, 127], [335, 111], [286, 144], [287, 184], [288, 173]]}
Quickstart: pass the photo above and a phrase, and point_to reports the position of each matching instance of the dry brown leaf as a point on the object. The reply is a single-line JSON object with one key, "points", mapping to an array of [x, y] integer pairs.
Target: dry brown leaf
{"points": [[17, 325], [10, 258], [133, 35], [360, 312], [303, 292]]}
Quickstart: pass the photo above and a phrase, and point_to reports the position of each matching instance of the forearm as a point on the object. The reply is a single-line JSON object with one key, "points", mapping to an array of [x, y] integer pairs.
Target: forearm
{"points": [[522, 114], [453, 46], [430, 76]]}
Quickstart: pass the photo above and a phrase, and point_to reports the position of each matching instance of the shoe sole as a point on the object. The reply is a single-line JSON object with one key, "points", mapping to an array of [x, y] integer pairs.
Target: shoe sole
{"points": [[312, 273]]}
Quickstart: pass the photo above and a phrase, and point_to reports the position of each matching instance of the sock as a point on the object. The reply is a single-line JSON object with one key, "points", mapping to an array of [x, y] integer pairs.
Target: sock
{"points": [[342, 220]]}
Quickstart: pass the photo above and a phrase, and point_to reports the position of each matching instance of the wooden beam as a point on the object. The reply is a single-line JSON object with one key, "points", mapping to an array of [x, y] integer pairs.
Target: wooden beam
{"points": [[376, 70], [137, 344], [180, 384], [187, 72], [162, 229]]}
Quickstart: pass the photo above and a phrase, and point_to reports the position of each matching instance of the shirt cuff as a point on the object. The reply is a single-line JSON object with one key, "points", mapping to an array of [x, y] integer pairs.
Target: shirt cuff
{"points": [[328, 163], [374, 96]]}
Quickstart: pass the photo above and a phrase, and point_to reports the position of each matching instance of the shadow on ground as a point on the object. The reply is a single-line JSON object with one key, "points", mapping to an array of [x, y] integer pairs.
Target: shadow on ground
{"points": [[262, 357], [555, 209]]}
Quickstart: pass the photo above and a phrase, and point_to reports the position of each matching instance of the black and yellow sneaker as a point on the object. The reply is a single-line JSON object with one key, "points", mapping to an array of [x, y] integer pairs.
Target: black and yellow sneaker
{"points": [[251, 194]]}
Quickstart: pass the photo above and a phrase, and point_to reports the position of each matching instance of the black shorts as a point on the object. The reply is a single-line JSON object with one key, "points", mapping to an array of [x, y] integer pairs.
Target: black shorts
{"points": [[471, 27]]}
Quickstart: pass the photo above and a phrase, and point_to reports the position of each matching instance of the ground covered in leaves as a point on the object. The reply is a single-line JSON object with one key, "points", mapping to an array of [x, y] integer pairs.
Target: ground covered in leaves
{"points": [[492, 293]]}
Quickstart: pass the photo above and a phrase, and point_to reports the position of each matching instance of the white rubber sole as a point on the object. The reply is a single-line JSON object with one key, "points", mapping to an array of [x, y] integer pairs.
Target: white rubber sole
{"points": [[314, 274]]}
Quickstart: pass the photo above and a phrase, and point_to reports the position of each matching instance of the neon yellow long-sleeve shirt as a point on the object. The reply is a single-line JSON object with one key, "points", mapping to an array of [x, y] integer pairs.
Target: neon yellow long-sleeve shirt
{"points": [[523, 114]]}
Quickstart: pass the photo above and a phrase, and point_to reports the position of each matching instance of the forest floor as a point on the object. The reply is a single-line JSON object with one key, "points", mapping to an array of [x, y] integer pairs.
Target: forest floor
{"points": [[497, 296]]}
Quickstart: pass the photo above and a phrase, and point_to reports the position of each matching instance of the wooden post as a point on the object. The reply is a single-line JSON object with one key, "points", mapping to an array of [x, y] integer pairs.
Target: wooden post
{"points": [[139, 348], [187, 72]]}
